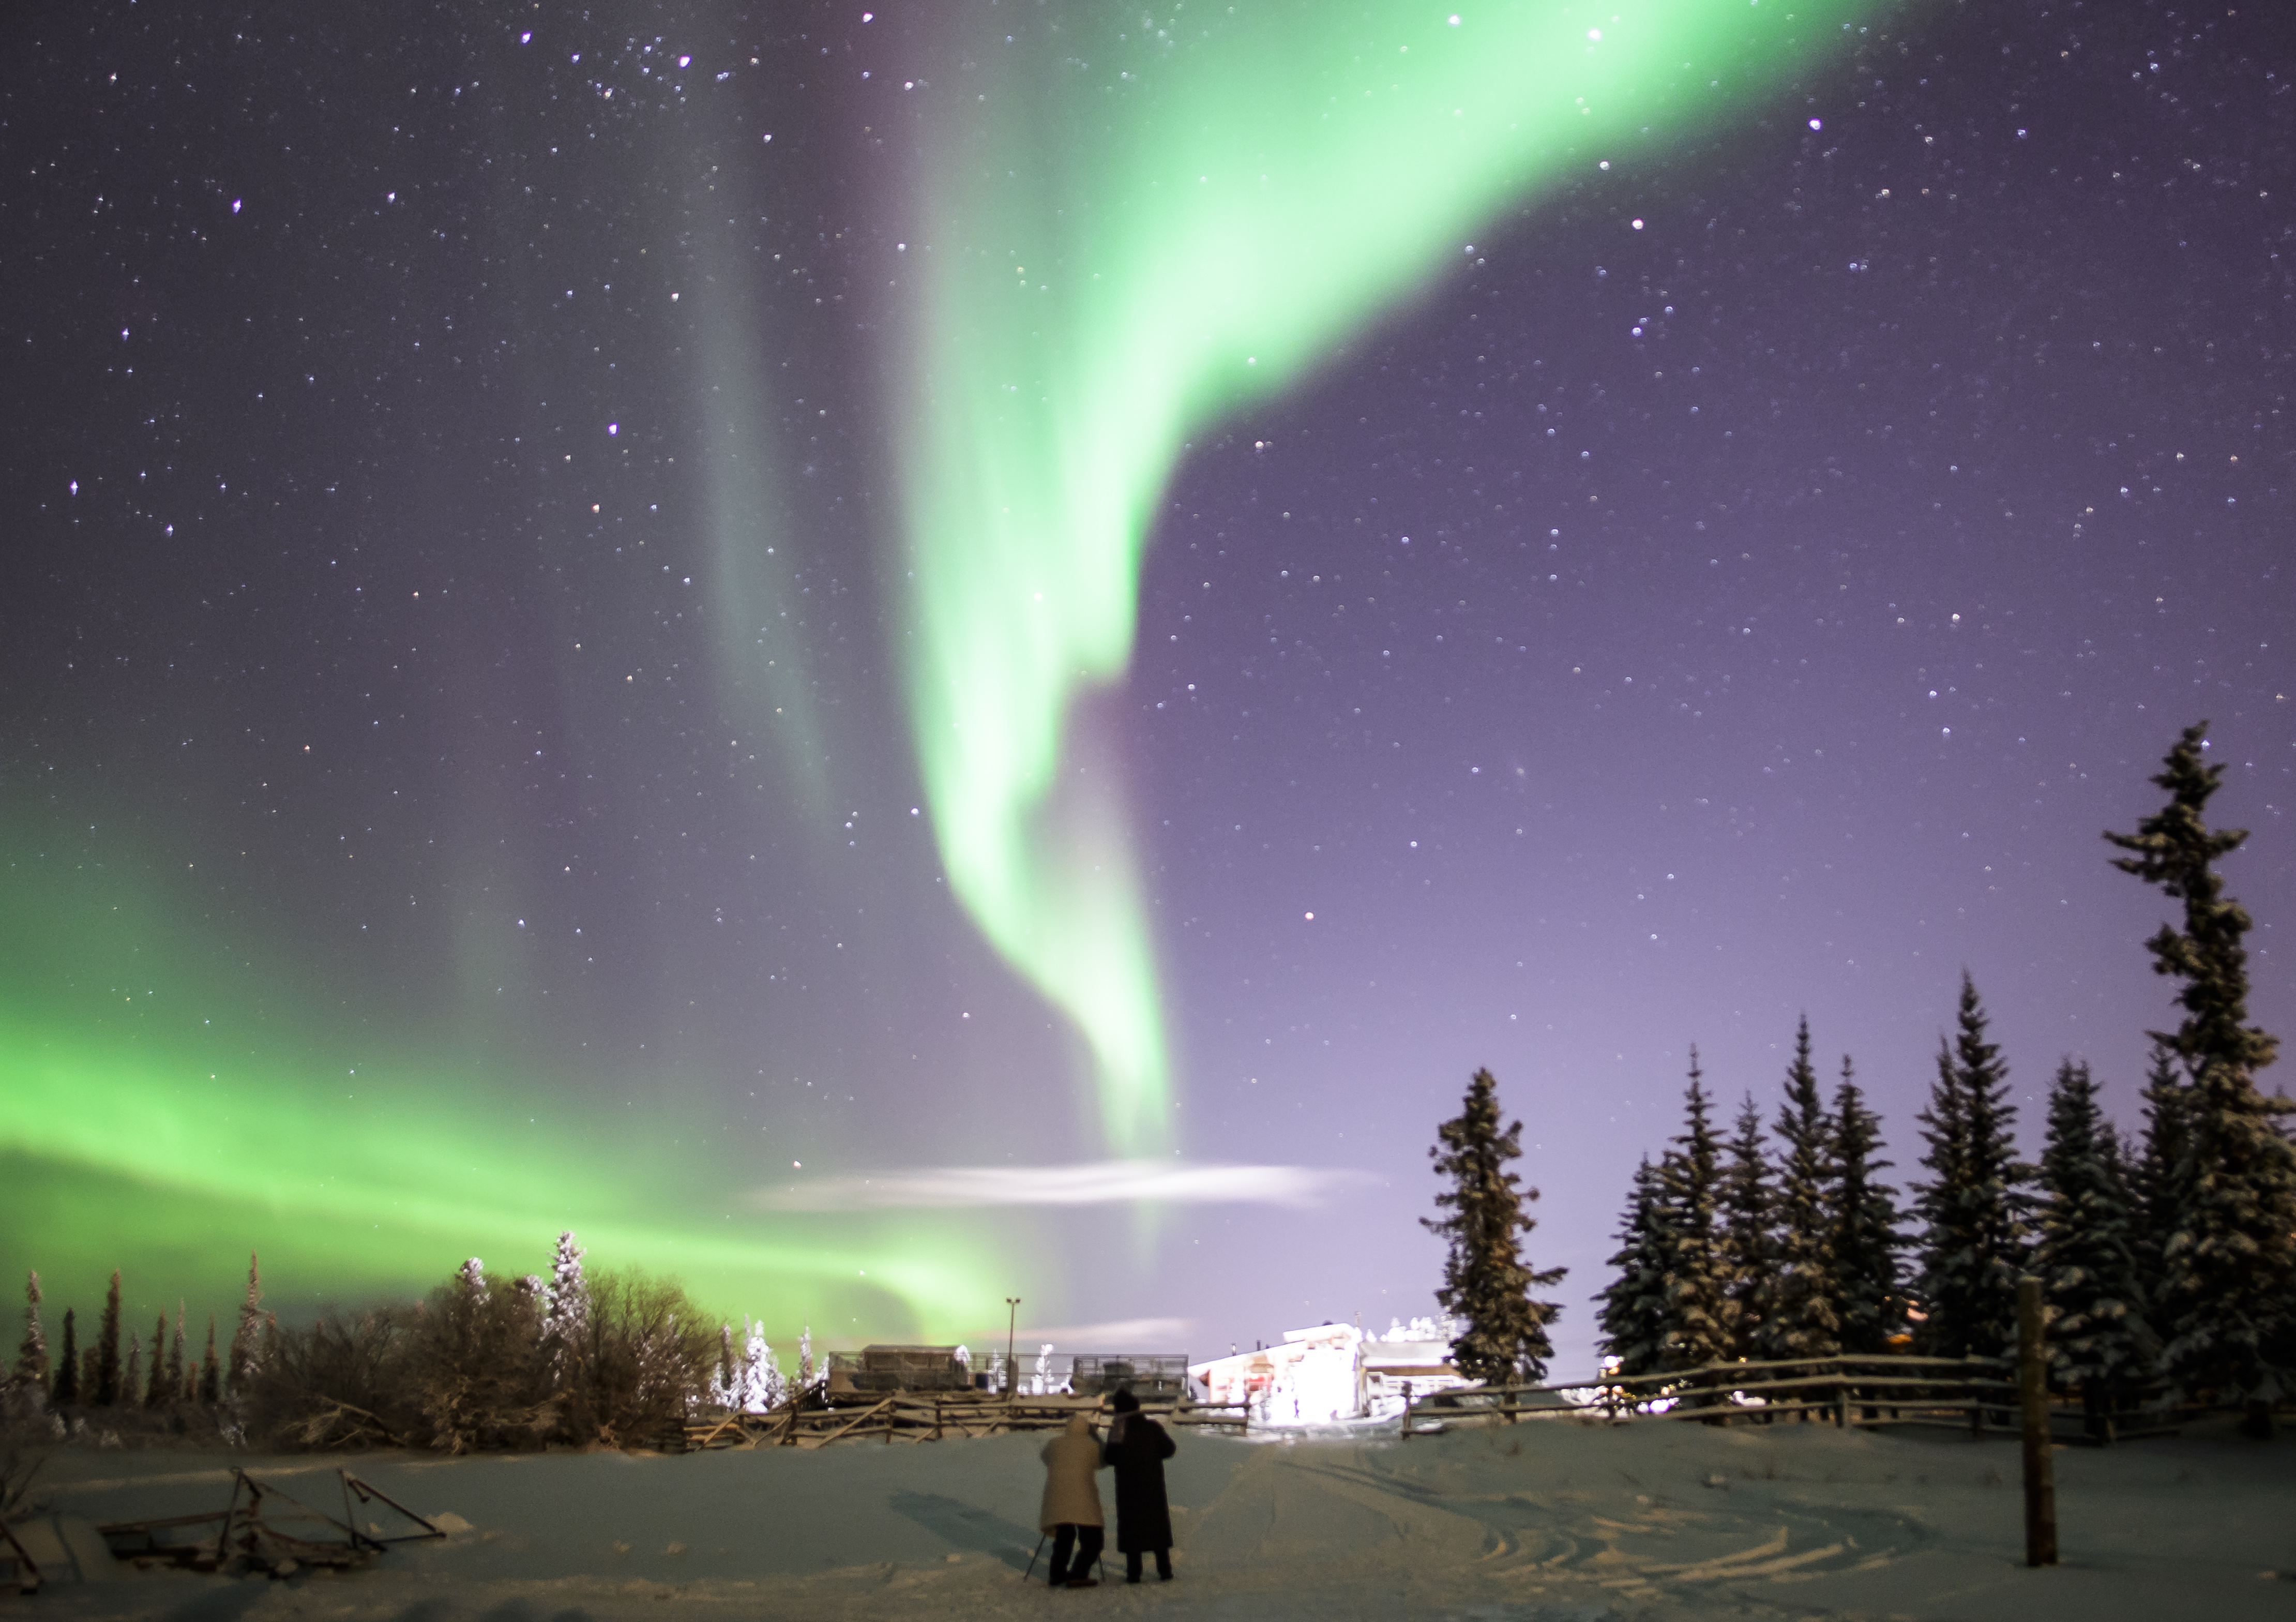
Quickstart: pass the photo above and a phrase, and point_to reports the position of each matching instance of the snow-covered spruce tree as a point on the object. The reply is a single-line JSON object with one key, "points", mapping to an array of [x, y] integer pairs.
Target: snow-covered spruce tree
{"points": [[1973, 1247], [32, 1351], [65, 1388], [1801, 1320], [2099, 1342], [104, 1389], [1866, 1239], [1747, 1251], [1484, 1279], [2227, 1302], [566, 1314], [1634, 1318], [1699, 1311], [246, 1340], [808, 1379]]}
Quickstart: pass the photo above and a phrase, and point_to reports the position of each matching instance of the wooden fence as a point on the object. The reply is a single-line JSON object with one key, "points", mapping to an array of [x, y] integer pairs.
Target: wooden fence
{"points": [[1976, 1392], [929, 1416]]}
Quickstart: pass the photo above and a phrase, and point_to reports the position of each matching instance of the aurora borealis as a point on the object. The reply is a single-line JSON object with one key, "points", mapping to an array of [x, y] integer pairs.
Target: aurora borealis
{"points": [[1209, 206], [708, 623]]}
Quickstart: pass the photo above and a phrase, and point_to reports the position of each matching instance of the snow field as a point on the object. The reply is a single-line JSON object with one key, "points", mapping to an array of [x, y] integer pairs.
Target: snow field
{"points": [[1537, 1523]]}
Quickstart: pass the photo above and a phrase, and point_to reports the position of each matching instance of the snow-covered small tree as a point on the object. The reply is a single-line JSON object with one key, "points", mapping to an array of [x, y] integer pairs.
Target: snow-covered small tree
{"points": [[2228, 1302], [1800, 1318], [473, 1276], [1635, 1317], [725, 1390], [1484, 1279], [2098, 1340], [1747, 1249], [32, 1351], [1699, 1311], [104, 1389], [809, 1379], [762, 1386], [247, 1339], [1866, 1241], [1044, 1376], [1973, 1247]]}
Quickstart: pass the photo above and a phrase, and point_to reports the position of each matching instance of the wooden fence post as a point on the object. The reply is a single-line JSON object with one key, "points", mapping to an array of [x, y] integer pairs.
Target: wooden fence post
{"points": [[2033, 1394]]}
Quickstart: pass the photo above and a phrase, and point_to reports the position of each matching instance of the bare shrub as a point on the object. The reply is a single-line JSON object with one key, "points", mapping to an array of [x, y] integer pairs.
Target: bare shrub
{"points": [[647, 1359], [342, 1382]]}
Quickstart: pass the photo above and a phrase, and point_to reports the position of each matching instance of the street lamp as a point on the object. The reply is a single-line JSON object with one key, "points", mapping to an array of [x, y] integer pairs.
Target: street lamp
{"points": [[1012, 1363]]}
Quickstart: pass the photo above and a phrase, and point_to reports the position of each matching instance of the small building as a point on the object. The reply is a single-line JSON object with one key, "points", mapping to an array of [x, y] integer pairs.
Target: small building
{"points": [[1333, 1373], [1147, 1375], [896, 1368]]}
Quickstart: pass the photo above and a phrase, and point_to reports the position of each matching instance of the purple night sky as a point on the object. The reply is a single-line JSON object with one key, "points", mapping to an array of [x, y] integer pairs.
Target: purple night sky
{"points": [[1651, 635]]}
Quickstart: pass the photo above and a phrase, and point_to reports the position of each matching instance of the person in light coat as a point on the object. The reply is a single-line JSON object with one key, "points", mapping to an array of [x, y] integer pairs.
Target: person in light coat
{"points": [[1071, 1506]]}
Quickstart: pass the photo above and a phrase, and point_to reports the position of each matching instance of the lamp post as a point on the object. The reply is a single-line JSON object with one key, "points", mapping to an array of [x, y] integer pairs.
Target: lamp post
{"points": [[1012, 1363]]}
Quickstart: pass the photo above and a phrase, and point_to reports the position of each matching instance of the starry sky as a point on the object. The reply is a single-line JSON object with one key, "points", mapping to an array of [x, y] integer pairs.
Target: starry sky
{"points": [[589, 642]]}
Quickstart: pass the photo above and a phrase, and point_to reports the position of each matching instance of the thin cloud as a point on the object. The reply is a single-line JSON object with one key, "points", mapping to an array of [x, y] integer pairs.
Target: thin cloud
{"points": [[1102, 1182]]}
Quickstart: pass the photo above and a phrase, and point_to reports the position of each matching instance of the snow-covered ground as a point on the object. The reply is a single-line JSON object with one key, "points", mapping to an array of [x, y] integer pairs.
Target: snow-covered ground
{"points": [[1552, 1521]]}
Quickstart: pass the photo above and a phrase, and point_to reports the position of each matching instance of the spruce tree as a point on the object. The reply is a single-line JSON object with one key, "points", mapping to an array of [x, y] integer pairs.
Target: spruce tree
{"points": [[1635, 1316], [1866, 1239], [2154, 1179], [2099, 1343], [1801, 1320], [177, 1391], [1746, 1244], [2228, 1302], [157, 1393], [246, 1340], [131, 1376], [210, 1370], [1698, 1310], [105, 1387], [32, 1351], [1484, 1279], [1973, 1240], [65, 1388]]}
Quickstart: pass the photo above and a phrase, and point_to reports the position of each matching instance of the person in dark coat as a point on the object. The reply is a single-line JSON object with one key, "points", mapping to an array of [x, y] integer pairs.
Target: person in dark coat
{"points": [[1136, 1448]]}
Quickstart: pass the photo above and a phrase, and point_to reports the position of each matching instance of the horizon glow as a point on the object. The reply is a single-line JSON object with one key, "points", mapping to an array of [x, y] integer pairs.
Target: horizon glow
{"points": [[1126, 232]]}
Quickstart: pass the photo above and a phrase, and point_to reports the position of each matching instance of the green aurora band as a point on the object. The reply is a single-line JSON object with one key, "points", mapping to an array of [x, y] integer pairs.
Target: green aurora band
{"points": [[1130, 225], [162, 1117]]}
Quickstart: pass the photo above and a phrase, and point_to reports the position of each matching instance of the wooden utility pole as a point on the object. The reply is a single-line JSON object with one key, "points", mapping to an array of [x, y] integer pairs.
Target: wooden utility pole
{"points": [[1012, 1363], [2033, 1395]]}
